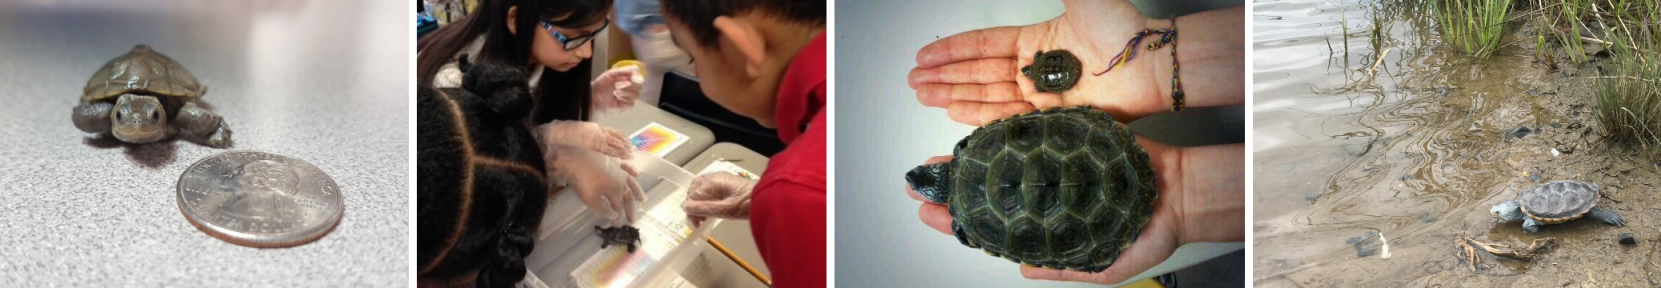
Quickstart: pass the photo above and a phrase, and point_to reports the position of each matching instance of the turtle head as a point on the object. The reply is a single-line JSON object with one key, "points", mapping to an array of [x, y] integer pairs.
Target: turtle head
{"points": [[930, 180], [1508, 211], [138, 119]]}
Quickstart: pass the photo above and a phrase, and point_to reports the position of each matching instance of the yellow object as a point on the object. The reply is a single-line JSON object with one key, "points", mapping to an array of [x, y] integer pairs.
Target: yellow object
{"points": [[753, 272], [626, 63], [1145, 283]]}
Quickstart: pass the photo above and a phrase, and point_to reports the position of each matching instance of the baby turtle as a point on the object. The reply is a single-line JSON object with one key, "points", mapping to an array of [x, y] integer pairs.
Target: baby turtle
{"points": [[144, 97], [1062, 188], [620, 235], [1555, 202], [1053, 71]]}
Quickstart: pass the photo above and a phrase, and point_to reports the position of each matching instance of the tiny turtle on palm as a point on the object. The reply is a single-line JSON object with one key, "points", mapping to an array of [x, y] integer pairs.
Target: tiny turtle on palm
{"points": [[1053, 71]]}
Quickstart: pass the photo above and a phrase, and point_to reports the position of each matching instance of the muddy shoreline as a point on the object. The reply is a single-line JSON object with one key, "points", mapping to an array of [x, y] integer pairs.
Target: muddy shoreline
{"points": [[1420, 153]]}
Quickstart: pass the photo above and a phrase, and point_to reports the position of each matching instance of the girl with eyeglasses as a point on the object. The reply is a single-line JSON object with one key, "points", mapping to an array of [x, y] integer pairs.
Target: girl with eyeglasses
{"points": [[551, 43]]}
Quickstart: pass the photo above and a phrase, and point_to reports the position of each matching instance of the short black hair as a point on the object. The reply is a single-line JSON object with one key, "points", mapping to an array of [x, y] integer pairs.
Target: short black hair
{"points": [[480, 186], [699, 15]]}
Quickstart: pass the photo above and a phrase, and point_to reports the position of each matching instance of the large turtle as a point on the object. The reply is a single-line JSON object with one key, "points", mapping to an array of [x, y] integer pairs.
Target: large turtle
{"points": [[1062, 188], [144, 97], [1555, 202]]}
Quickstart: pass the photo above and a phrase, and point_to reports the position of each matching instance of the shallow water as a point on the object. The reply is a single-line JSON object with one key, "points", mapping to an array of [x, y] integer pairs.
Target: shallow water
{"points": [[1414, 148]]}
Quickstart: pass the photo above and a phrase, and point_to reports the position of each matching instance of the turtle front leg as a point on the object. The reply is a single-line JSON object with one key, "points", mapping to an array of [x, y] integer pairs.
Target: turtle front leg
{"points": [[1531, 226], [92, 117], [1606, 216], [201, 122]]}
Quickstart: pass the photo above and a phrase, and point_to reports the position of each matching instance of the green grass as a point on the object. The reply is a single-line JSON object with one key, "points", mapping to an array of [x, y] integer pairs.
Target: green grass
{"points": [[1629, 101], [1570, 38], [1474, 27]]}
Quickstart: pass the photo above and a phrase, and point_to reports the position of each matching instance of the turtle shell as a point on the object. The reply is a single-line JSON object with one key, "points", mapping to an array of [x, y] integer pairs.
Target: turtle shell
{"points": [[1063, 188], [1053, 71], [1558, 201], [142, 71]]}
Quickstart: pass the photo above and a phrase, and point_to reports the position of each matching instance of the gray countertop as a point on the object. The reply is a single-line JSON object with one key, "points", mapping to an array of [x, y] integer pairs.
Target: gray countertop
{"points": [[321, 81]]}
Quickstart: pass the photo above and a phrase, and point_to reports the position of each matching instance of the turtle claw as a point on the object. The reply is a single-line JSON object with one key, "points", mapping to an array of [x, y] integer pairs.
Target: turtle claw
{"points": [[1531, 226], [1606, 216], [221, 138]]}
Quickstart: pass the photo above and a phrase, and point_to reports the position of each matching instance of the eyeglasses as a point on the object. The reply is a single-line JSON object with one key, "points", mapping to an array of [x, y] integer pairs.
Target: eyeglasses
{"points": [[571, 43]]}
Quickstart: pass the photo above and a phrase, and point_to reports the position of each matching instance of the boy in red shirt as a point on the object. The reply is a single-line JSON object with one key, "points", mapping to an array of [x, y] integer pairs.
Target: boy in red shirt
{"points": [[765, 59]]}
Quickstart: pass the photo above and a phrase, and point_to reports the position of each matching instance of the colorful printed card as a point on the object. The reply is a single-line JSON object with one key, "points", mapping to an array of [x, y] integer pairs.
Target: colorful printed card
{"points": [[656, 139]]}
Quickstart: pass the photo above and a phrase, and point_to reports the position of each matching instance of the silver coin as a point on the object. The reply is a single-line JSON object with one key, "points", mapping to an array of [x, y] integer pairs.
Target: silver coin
{"points": [[259, 199]]}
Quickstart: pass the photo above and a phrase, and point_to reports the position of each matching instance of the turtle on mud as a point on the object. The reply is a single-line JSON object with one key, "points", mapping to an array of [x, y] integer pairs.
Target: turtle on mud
{"points": [[1053, 71], [620, 235], [1555, 202], [144, 97], [1062, 188]]}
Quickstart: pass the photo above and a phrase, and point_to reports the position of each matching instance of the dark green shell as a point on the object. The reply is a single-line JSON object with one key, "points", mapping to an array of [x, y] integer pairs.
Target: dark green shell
{"points": [[1063, 188], [1053, 71]]}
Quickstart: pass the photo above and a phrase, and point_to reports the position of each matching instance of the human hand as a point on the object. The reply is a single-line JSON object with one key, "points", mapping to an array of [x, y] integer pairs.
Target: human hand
{"points": [[587, 135], [1201, 199], [616, 88], [976, 75], [720, 195], [604, 183]]}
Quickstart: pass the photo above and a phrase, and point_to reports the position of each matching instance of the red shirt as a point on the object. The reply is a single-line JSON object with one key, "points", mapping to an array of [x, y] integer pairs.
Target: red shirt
{"points": [[787, 212]]}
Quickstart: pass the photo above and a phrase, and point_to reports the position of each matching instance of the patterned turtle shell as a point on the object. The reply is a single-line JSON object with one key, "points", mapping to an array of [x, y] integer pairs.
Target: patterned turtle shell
{"points": [[1063, 188], [142, 71], [1053, 71], [1559, 201]]}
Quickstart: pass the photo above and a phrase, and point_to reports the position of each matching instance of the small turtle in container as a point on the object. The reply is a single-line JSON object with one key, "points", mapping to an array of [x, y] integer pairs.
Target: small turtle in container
{"points": [[620, 235]]}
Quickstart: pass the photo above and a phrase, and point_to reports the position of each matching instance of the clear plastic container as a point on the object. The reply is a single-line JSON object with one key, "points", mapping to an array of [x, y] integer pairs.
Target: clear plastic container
{"points": [[569, 253], [669, 242]]}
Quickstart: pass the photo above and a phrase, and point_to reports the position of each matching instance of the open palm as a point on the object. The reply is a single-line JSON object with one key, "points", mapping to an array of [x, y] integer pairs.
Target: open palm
{"points": [[976, 75]]}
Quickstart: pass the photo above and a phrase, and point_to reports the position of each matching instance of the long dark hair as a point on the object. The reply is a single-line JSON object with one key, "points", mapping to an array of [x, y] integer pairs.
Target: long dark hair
{"points": [[481, 190], [559, 95]]}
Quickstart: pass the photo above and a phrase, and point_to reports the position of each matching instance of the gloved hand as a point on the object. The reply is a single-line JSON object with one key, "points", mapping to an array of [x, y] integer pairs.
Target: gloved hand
{"points": [[720, 195], [617, 88], [605, 184], [587, 135]]}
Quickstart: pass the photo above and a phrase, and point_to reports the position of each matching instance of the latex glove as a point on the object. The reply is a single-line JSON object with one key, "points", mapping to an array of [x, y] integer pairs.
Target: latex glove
{"points": [[616, 88], [587, 135], [605, 184], [720, 195]]}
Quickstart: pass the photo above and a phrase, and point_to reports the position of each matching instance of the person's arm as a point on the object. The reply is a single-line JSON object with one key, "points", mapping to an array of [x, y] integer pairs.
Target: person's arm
{"points": [[1214, 209], [1211, 54]]}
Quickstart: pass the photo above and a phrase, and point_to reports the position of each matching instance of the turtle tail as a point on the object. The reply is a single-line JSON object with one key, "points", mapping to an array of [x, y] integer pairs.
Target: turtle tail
{"points": [[930, 181]]}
